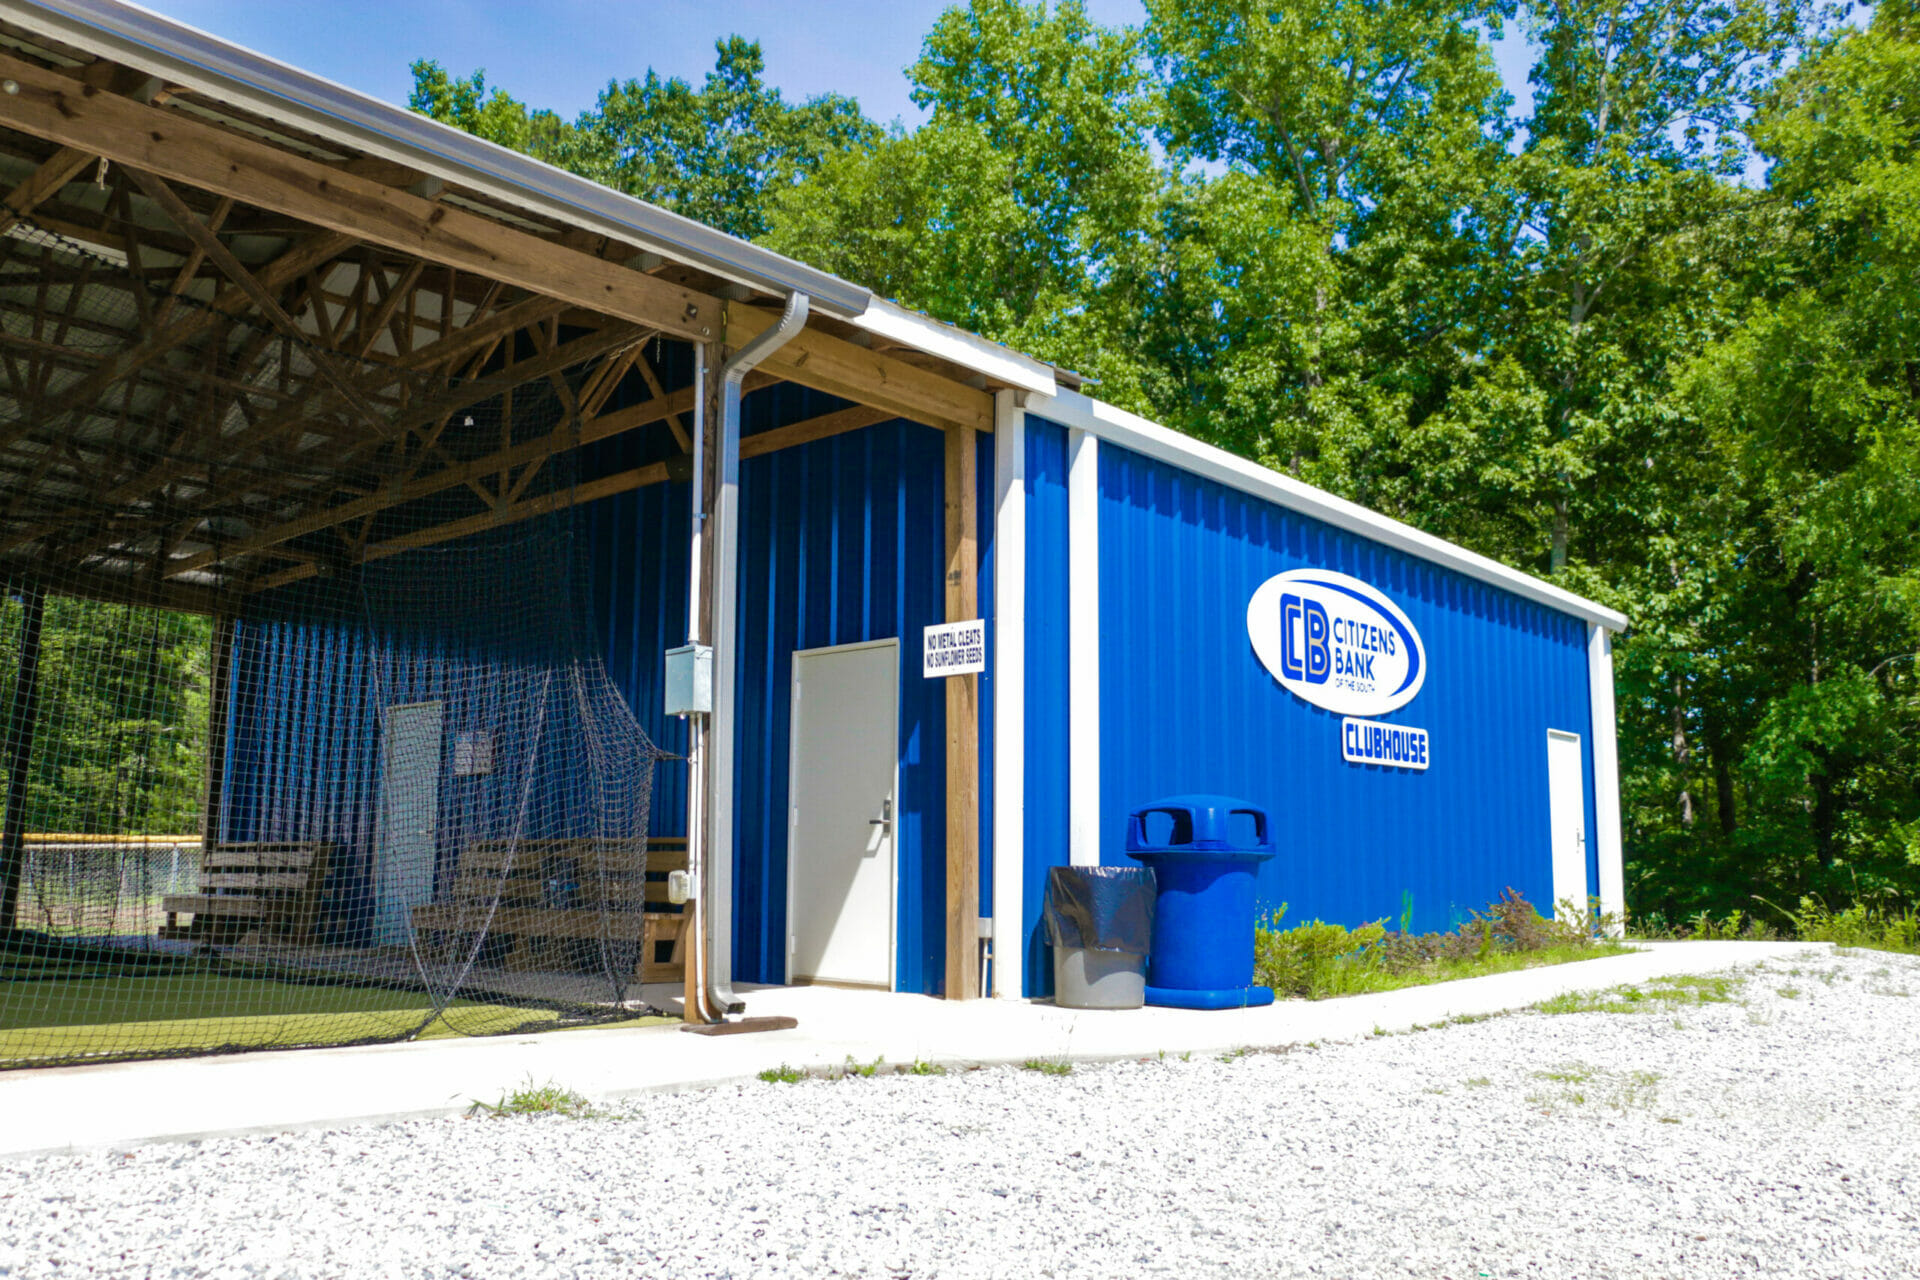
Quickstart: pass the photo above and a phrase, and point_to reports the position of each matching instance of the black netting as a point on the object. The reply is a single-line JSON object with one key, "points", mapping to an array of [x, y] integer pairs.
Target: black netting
{"points": [[305, 736]]}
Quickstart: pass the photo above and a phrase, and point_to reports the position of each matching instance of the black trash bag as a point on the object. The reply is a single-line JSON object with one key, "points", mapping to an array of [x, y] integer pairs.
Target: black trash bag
{"points": [[1100, 908]]}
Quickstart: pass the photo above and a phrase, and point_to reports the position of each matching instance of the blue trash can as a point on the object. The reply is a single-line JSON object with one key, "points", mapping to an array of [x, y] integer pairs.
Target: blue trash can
{"points": [[1203, 851]]}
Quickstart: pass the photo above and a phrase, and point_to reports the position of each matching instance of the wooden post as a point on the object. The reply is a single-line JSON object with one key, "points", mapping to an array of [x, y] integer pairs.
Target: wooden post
{"points": [[19, 752], [963, 723], [219, 676]]}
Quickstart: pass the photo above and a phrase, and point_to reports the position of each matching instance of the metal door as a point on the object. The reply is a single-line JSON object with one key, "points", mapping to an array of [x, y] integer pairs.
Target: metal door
{"points": [[410, 749], [840, 827], [1567, 820]]}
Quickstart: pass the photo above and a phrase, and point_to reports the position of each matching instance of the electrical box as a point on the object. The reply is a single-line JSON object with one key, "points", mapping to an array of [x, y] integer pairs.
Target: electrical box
{"points": [[690, 680]]}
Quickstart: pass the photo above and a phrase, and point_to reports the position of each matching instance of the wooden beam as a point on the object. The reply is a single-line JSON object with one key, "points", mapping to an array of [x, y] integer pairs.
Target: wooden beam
{"points": [[219, 673], [453, 475], [823, 427], [963, 722], [263, 300], [137, 589], [182, 149], [826, 363], [43, 183], [836, 423], [295, 262]]}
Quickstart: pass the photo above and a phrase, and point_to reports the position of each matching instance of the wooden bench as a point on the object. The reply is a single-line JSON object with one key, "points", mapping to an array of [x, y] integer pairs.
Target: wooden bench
{"points": [[553, 893], [270, 888]]}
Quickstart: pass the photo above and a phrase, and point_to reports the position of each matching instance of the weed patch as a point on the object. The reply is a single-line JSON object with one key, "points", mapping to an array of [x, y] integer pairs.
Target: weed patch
{"points": [[1048, 1066], [1318, 960], [533, 1100], [1659, 996], [783, 1074]]}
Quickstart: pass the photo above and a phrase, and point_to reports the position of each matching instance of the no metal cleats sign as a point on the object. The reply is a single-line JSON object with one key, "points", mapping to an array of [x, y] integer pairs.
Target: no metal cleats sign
{"points": [[954, 648], [1336, 642]]}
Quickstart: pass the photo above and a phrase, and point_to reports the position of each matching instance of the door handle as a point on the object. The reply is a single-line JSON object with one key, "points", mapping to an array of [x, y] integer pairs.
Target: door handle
{"points": [[886, 815]]}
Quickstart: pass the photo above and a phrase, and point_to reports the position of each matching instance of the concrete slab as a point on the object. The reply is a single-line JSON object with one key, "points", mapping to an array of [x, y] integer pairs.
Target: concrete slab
{"points": [[120, 1105]]}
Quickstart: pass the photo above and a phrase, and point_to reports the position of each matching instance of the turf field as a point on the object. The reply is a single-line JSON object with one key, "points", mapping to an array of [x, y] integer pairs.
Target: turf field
{"points": [[77, 1018]]}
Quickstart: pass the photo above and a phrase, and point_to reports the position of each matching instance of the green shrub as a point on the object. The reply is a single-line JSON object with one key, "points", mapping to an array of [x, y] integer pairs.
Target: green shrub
{"points": [[1857, 926], [1317, 960]]}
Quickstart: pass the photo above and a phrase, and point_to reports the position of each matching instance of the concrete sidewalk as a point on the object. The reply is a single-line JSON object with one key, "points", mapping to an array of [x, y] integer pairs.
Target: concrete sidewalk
{"points": [[125, 1104]]}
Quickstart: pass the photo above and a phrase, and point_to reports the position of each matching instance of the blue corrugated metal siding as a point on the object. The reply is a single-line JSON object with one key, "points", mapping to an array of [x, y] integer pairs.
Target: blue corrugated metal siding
{"points": [[1186, 706], [1045, 824], [841, 542], [638, 569], [304, 742]]}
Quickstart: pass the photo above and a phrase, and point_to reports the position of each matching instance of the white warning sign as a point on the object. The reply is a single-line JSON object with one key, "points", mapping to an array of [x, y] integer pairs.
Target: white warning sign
{"points": [[954, 649]]}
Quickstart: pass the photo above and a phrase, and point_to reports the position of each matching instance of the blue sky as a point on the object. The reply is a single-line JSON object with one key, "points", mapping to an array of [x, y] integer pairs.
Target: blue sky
{"points": [[560, 55]]}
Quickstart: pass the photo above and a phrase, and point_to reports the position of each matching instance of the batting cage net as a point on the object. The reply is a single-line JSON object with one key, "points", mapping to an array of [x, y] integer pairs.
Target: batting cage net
{"points": [[304, 734]]}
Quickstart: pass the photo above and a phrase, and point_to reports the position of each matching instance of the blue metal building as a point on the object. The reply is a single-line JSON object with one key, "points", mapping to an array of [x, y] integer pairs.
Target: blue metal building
{"points": [[807, 478]]}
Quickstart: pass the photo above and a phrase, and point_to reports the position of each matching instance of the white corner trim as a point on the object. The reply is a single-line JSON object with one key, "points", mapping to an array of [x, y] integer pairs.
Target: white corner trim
{"points": [[1083, 648], [1082, 413], [1608, 844], [997, 363], [1009, 676]]}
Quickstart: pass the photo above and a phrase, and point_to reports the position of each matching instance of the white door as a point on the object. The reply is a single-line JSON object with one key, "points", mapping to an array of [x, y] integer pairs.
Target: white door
{"points": [[409, 813], [1567, 819], [840, 828]]}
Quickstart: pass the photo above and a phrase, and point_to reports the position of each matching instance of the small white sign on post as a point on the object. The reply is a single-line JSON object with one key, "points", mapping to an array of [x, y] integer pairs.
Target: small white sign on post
{"points": [[954, 649]]}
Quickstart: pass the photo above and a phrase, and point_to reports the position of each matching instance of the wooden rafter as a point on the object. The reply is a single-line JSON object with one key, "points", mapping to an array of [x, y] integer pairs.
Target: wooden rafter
{"points": [[83, 395], [457, 474], [180, 148], [43, 183], [823, 427], [263, 300]]}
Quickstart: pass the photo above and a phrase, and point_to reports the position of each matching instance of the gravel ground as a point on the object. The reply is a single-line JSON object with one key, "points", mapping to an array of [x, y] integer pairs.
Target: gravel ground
{"points": [[1771, 1133]]}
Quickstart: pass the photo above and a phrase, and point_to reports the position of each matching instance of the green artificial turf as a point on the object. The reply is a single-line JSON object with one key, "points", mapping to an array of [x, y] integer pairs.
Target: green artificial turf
{"points": [[138, 1016]]}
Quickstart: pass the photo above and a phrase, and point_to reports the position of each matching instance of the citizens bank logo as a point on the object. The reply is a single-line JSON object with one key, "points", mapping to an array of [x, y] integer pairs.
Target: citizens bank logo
{"points": [[1336, 642]]}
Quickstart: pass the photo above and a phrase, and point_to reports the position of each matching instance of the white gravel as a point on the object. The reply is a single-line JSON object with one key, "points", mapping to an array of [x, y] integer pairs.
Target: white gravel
{"points": [[1772, 1135]]}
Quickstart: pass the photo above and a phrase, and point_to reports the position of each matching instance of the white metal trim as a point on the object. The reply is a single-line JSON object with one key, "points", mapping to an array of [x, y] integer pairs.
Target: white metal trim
{"points": [[997, 363], [1009, 676], [793, 755], [1079, 412], [1083, 648], [1608, 842]]}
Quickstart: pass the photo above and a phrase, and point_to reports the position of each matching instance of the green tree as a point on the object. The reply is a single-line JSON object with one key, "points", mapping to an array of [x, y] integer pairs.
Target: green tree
{"points": [[717, 154]]}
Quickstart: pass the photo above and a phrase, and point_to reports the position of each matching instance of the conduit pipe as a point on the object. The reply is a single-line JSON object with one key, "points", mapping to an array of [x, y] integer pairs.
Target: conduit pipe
{"points": [[711, 750]]}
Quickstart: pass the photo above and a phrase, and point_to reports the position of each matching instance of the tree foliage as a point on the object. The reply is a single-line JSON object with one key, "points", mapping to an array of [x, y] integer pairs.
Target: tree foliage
{"points": [[1654, 337]]}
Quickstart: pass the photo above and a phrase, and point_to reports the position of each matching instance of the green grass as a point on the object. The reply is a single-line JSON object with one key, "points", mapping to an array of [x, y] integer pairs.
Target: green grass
{"points": [[1663, 995], [547, 1099], [1363, 979], [783, 1074], [63, 1018], [1048, 1066]]}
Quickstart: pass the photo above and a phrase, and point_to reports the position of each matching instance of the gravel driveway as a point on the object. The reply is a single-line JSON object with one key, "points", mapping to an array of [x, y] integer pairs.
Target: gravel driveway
{"points": [[1767, 1125]]}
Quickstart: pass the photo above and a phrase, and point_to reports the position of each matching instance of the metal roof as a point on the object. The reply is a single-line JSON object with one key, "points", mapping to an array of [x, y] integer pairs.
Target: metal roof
{"points": [[192, 58]]}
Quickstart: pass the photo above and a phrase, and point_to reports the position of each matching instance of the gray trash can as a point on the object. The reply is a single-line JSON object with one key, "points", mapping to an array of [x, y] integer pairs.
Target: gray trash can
{"points": [[1100, 920]]}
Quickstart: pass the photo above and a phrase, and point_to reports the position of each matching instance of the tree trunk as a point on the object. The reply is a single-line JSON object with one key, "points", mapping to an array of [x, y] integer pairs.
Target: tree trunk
{"points": [[1682, 752]]}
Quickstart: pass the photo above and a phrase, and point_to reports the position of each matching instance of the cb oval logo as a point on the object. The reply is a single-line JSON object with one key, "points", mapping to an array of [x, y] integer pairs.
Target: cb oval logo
{"points": [[1336, 642]]}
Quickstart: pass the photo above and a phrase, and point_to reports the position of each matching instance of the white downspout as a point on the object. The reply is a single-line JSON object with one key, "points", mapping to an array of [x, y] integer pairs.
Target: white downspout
{"points": [[716, 876]]}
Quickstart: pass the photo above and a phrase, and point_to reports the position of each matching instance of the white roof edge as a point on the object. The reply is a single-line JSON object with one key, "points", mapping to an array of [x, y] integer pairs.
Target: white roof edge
{"points": [[970, 351], [1131, 431]]}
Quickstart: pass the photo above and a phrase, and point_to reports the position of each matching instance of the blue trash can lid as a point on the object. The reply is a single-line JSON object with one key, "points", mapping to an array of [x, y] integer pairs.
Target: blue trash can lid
{"points": [[1200, 824]]}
